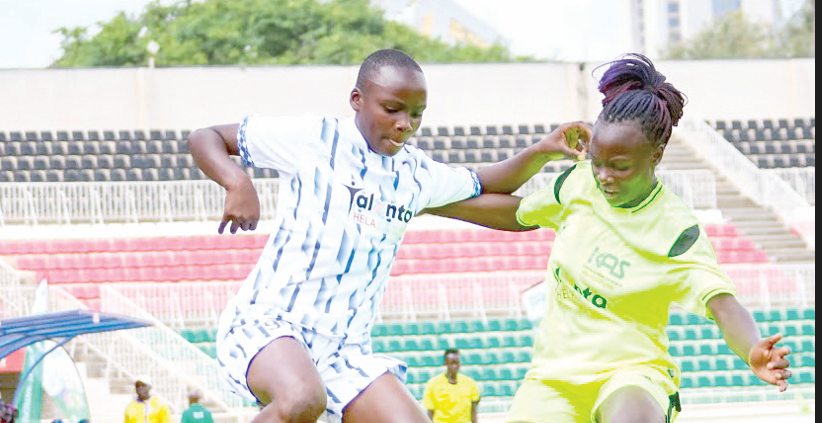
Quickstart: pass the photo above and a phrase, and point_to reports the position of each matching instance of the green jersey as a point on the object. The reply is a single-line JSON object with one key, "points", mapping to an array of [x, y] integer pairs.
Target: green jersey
{"points": [[612, 276], [196, 413]]}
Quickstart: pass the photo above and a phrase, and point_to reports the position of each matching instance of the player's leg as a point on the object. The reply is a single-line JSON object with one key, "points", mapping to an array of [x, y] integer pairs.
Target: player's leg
{"points": [[283, 377], [538, 401], [630, 404], [385, 400], [637, 394]]}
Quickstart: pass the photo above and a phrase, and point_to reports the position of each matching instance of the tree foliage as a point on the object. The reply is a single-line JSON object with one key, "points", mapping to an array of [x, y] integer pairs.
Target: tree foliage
{"points": [[255, 32], [736, 37]]}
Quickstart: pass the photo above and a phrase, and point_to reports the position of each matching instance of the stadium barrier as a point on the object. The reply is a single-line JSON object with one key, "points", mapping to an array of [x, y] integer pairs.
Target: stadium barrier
{"points": [[32, 203], [455, 295], [801, 179], [12, 301], [765, 188], [174, 364]]}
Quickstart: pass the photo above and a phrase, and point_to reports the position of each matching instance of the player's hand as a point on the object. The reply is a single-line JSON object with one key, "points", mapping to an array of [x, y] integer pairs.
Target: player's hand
{"points": [[768, 362], [568, 140], [242, 208]]}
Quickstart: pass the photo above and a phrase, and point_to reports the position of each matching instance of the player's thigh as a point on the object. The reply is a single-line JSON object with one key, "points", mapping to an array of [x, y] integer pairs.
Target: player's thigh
{"points": [[283, 371], [643, 394], [538, 401], [385, 400]]}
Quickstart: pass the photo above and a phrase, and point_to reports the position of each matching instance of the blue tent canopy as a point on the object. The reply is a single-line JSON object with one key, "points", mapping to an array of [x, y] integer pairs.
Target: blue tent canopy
{"points": [[18, 332]]}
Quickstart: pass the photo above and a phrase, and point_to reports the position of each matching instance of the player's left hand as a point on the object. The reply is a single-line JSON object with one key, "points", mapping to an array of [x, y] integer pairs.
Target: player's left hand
{"points": [[768, 362], [568, 140]]}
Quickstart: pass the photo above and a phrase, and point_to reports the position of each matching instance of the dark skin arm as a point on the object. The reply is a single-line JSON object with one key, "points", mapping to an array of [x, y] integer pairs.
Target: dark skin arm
{"points": [[495, 211], [474, 411], [211, 149], [508, 175], [496, 208], [739, 329]]}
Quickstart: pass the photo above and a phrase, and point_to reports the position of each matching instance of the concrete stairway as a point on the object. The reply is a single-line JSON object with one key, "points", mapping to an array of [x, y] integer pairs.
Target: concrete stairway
{"points": [[758, 223]]}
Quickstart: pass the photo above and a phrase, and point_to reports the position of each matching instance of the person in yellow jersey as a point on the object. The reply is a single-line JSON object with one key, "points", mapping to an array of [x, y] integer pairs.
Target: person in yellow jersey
{"points": [[146, 408], [451, 397], [626, 248]]}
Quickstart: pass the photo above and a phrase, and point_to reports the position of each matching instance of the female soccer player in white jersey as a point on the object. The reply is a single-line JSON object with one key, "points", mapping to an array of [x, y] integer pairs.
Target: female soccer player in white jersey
{"points": [[296, 337], [626, 248]]}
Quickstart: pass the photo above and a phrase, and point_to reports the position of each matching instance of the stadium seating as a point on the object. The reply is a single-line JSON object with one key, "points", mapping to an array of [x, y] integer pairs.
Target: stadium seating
{"points": [[496, 352], [772, 143]]}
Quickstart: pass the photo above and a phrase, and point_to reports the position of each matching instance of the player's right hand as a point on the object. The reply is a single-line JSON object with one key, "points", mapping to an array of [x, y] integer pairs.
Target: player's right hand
{"points": [[242, 208]]}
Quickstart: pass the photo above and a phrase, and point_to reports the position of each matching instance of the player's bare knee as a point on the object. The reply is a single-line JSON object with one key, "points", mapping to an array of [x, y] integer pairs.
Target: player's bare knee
{"points": [[302, 405], [637, 416]]}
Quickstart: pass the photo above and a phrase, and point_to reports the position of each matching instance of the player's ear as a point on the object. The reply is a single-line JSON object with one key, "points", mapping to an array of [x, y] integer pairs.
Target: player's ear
{"points": [[356, 99]]}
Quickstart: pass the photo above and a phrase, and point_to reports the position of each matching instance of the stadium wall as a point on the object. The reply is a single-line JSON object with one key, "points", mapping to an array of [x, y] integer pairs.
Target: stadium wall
{"points": [[459, 94]]}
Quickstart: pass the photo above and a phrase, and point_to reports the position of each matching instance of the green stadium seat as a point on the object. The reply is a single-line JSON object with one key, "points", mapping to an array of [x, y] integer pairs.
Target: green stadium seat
{"points": [[710, 332], [427, 328], [675, 333], [686, 382], [444, 343], [809, 329], [704, 381], [444, 326], [721, 380], [210, 349], [413, 360], [474, 357], [433, 360], [410, 344], [523, 356], [693, 319], [808, 345], [492, 357], [688, 349], [808, 361], [468, 342], [395, 329], [676, 319], [379, 329], [417, 391], [494, 325], [489, 389], [506, 373], [809, 314], [378, 345], [690, 333], [394, 344], [687, 365], [705, 365], [428, 343], [508, 340], [806, 377], [675, 350], [476, 326], [737, 380], [507, 389], [723, 363], [491, 340], [739, 364], [708, 349], [525, 340], [723, 349], [793, 314], [508, 356], [521, 371], [460, 326], [473, 372]]}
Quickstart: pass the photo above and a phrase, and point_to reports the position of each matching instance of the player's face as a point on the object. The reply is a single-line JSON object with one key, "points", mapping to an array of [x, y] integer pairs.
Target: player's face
{"points": [[389, 108], [623, 162], [452, 363], [142, 390]]}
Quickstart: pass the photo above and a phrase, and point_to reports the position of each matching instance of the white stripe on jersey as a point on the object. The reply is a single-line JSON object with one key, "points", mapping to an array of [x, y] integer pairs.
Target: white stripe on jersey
{"points": [[341, 213]]}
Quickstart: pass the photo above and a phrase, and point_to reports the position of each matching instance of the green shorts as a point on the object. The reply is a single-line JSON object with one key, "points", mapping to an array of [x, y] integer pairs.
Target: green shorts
{"points": [[539, 401]]}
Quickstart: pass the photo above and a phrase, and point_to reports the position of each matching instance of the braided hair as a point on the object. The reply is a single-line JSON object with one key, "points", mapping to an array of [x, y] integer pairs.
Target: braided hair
{"points": [[635, 91]]}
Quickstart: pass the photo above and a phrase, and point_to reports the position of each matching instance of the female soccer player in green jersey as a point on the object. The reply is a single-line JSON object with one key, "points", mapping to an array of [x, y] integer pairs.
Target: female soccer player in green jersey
{"points": [[626, 248]]}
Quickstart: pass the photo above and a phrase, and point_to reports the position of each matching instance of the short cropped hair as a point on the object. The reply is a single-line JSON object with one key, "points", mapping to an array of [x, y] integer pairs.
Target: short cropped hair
{"points": [[450, 351], [381, 58]]}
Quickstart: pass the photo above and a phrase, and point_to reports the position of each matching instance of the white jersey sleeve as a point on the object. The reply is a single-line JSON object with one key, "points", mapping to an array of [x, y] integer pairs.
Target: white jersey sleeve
{"points": [[281, 142], [445, 184]]}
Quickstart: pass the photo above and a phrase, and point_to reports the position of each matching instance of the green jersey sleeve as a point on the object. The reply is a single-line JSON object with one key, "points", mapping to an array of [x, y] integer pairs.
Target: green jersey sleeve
{"points": [[544, 207]]}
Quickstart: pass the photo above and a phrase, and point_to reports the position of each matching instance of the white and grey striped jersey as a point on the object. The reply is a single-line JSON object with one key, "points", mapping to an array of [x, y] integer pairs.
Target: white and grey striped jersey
{"points": [[342, 210]]}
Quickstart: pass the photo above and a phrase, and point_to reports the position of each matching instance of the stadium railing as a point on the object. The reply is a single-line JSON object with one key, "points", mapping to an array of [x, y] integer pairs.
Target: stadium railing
{"points": [[446, 296], [12, 300], [158, 351], [801, 179], [763, 187], [31, 203]]}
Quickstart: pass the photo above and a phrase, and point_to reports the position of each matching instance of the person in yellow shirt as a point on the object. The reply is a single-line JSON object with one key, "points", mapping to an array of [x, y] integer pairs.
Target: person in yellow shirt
{"points": [[626, 248], [451, 397], [146, 408]]}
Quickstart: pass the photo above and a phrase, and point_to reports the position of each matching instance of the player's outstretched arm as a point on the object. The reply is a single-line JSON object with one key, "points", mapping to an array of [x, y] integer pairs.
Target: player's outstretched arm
{"points": [[568, 140], [496, 211], [211, 149], [766, 360]]}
